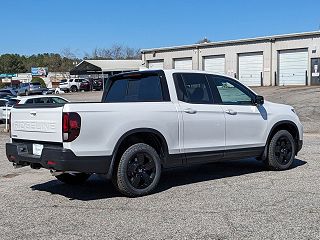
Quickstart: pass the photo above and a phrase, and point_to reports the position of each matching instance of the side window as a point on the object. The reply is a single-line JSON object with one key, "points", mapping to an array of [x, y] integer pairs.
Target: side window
{"points": [[193, 88], [135, 89], [41, 100], [117, 91], [58, 100], [71, 80], [231, 92], [2, 103], [145, 89], [29, 101]]}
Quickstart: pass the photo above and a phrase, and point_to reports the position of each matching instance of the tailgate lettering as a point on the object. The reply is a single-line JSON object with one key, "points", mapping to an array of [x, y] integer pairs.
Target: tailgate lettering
{"points": [[34, 126]]}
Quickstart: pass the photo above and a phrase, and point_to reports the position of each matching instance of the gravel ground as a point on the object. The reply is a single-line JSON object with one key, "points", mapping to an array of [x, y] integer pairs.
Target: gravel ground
{"points": [[234, 200]]}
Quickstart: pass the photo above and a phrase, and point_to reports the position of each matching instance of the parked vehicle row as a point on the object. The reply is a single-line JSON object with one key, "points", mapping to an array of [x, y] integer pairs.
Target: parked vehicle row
{"points": [[80, 84], [6, 105], [70, 85], [26, 89]]}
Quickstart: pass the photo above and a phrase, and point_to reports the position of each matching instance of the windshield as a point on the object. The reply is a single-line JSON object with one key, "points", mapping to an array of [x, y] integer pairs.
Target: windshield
{"points": [[63, 80]]}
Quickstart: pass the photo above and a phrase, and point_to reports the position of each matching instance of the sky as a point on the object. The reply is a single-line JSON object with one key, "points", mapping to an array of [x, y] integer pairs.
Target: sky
{"points": [[38, 26]]}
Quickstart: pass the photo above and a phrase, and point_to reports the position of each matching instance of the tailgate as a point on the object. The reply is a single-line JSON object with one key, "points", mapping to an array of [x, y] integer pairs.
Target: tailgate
{"points": [[38, 123]]}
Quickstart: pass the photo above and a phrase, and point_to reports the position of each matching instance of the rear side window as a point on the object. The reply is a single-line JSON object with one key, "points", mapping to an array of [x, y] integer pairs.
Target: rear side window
{"points": [[135, 88], [193, 88]]}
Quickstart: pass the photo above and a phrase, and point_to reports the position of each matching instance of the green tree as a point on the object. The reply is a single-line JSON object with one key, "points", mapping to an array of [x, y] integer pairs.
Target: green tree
{"points": [[40, 80], [11, 63]]}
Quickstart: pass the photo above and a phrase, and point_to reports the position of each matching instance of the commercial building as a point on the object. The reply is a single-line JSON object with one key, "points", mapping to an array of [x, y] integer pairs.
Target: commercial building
{"points": [[290, 59]]}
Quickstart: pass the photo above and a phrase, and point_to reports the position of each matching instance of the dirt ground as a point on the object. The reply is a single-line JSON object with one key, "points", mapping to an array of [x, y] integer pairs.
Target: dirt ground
{"points": [[229, 200], [305, 100]]}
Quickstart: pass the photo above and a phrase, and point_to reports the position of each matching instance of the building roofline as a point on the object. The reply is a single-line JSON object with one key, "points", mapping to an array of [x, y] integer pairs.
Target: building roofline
{"points": [[265, 38]]}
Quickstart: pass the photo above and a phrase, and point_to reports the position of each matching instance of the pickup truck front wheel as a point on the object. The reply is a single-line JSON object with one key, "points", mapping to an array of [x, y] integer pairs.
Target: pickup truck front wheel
{"points": [[281, 151], [139, 170], [73, 178]]}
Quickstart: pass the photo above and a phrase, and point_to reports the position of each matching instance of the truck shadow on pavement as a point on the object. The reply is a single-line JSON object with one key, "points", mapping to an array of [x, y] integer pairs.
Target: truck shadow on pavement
{"points": [[98, 188]]}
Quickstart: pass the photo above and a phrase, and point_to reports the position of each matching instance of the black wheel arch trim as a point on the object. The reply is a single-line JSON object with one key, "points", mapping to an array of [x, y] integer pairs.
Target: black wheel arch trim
{"points": [[131, 132], [283, 122], [288, 122]]}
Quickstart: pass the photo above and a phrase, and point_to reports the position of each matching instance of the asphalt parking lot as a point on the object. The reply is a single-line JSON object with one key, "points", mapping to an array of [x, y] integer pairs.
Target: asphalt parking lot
{"points": [[233, 200]]}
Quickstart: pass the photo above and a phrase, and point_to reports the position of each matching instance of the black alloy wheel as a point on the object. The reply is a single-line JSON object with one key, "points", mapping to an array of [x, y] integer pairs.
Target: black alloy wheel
{"points": [[281, 151], [141, 170]]}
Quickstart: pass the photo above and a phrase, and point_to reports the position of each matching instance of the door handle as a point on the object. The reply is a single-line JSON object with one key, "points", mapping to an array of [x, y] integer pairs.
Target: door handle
{"points": [[190, 111], [231, 112]]}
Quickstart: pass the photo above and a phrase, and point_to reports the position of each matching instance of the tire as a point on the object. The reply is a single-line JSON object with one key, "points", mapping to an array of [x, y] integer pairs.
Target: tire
{"points": [[74, 89], [281, 151], [73, 178], [139, 170]]}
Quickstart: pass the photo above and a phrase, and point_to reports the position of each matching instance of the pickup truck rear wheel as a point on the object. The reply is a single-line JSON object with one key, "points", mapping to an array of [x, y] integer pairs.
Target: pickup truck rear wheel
{"points": [[281, 151], [73, 178], [139, 170]]}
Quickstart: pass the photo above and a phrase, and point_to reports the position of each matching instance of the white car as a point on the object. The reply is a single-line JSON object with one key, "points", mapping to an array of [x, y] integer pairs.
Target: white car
{"points": [[150, 120], [70, 85], [37, 99], [3, 103]]}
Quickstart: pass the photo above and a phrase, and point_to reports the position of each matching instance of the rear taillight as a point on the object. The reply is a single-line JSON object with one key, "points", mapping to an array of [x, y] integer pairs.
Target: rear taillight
{"points": [[71, 124]]}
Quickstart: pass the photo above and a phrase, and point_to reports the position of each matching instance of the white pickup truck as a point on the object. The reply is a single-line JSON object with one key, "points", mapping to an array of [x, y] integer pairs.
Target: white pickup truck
{"points": [[151, 120]]}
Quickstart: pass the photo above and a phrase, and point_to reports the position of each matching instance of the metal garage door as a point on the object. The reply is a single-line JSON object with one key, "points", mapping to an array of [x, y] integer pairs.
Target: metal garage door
{"points": [[293, 65], [155, 64], [215, 64], [251, 68], [183, 63]]}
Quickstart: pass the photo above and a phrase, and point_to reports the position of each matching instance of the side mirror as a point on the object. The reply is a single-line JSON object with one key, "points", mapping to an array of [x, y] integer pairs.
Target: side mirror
{"points": [[258, 100]]}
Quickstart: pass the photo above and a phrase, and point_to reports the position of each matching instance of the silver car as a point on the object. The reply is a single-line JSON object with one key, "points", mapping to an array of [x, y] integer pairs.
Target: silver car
{"points": [[31, 88]]}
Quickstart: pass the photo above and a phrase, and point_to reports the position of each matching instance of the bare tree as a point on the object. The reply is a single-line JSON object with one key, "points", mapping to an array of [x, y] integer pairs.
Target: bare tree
{"points": [[204, 40], [115, 52], [68, 53]]}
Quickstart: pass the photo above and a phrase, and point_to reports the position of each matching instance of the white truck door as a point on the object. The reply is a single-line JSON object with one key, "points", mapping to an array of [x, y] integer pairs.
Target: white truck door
{"points": [[203, 122], [246, 124]]}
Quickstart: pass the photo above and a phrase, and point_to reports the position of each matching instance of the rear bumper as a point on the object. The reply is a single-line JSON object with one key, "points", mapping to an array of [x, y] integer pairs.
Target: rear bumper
{"points": [[56, 158]]}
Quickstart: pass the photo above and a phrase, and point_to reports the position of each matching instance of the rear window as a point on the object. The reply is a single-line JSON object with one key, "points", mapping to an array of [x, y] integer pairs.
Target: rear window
{"points": [[135, 88], [35, 84], [12, 102]]}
